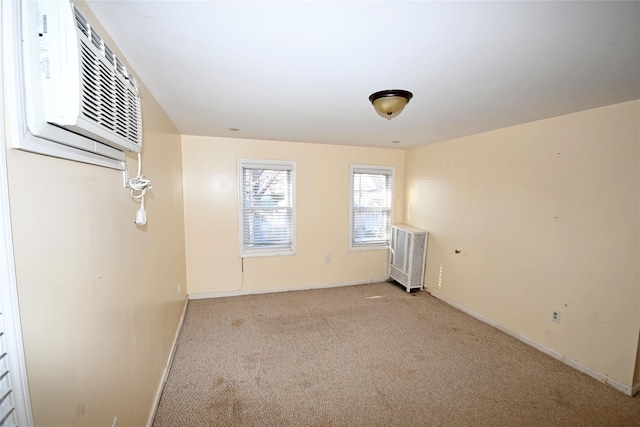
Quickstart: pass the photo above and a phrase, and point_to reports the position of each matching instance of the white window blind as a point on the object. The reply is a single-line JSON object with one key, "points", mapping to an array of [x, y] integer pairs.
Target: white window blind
{"points": [[267, 207], [371, 206]]}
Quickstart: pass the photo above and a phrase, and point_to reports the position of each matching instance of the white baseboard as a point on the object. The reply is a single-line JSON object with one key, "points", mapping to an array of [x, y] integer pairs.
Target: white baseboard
{"points": [[269, 291], [564, 359], [165, 373]]}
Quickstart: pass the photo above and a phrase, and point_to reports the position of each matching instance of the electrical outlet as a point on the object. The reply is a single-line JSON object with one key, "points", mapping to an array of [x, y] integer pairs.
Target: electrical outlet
{"points": [[327, 258], [555, 316], [115, 422], [178, 288]]}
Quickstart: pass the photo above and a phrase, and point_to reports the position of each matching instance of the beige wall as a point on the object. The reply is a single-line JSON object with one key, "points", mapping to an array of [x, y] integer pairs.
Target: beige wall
{"points": [[98, 297], [546, 217], [322, 206]]}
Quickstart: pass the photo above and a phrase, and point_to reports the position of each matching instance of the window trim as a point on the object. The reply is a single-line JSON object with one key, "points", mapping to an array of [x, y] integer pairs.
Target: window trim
{"points": [[374, 169], [274, 165]]}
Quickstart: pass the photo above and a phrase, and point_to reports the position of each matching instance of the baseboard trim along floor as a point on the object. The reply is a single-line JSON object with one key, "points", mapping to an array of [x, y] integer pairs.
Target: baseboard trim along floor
{"points": [[269, 291], [165, 374], [564, 359]]}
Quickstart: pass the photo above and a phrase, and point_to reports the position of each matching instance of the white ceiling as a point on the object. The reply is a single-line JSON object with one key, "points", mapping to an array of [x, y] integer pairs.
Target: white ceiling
{"points": [[303, 71]]}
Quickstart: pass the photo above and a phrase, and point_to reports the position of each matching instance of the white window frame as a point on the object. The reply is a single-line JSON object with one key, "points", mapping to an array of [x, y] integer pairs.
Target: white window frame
{"points": [[383, 170], [247, 252]]}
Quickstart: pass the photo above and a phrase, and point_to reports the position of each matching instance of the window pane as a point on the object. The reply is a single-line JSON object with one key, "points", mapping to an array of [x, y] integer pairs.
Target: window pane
{"points": [[371, 215], [371, 190], [371, 226], [267, 208]]}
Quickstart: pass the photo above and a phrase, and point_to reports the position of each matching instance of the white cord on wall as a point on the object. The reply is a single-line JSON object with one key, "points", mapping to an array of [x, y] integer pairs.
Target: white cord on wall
{"points": [[139, 186]]}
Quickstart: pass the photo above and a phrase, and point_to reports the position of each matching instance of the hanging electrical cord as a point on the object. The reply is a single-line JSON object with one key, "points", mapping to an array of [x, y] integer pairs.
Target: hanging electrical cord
{"points": [[139, 186]]}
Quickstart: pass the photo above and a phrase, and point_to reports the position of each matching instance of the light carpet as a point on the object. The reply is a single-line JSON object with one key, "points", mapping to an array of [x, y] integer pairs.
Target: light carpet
{"points": [[369, 355]]}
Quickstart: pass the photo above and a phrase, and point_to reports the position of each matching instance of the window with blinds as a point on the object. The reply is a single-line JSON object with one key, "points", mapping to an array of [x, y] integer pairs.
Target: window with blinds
{"points": [[371, 206], [267, 207]]}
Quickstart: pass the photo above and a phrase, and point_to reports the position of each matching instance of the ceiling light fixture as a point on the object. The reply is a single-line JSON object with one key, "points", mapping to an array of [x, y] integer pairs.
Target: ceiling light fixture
{"points": [[390, 103]]}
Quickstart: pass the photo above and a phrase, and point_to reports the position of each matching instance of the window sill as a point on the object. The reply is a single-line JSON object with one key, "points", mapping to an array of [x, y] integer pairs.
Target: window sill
{"points": [[254, 253], [378, 247]]}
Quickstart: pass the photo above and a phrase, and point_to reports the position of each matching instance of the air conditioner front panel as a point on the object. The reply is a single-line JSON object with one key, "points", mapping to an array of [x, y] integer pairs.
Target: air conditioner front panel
{"points": [[107, 98], [74, 81]]}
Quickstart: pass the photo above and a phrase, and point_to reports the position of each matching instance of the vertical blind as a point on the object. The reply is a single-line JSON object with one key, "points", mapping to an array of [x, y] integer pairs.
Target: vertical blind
{"points": [[267, 207], [372, 202]]}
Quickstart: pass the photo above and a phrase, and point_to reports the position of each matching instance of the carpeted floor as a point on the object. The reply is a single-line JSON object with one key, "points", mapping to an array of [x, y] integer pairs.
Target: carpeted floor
{"points": [[369, 355]]}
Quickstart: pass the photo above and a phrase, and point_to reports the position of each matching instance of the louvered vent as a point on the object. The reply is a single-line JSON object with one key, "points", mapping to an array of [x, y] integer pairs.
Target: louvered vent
{"points": [[7, 408], [109, 95]]}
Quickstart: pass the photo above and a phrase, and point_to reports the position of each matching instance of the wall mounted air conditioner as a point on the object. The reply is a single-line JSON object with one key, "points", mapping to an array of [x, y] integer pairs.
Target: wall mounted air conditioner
{"points": [[77, 91]]}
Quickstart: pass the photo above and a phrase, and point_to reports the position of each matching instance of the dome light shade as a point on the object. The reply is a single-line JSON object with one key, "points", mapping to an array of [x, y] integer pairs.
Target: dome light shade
{"points": [[390, 103]]}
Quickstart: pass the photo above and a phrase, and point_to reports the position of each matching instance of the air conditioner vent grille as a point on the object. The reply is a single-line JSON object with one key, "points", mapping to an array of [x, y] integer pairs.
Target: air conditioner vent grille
{"points": [[107, 97], [82, 23]]}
